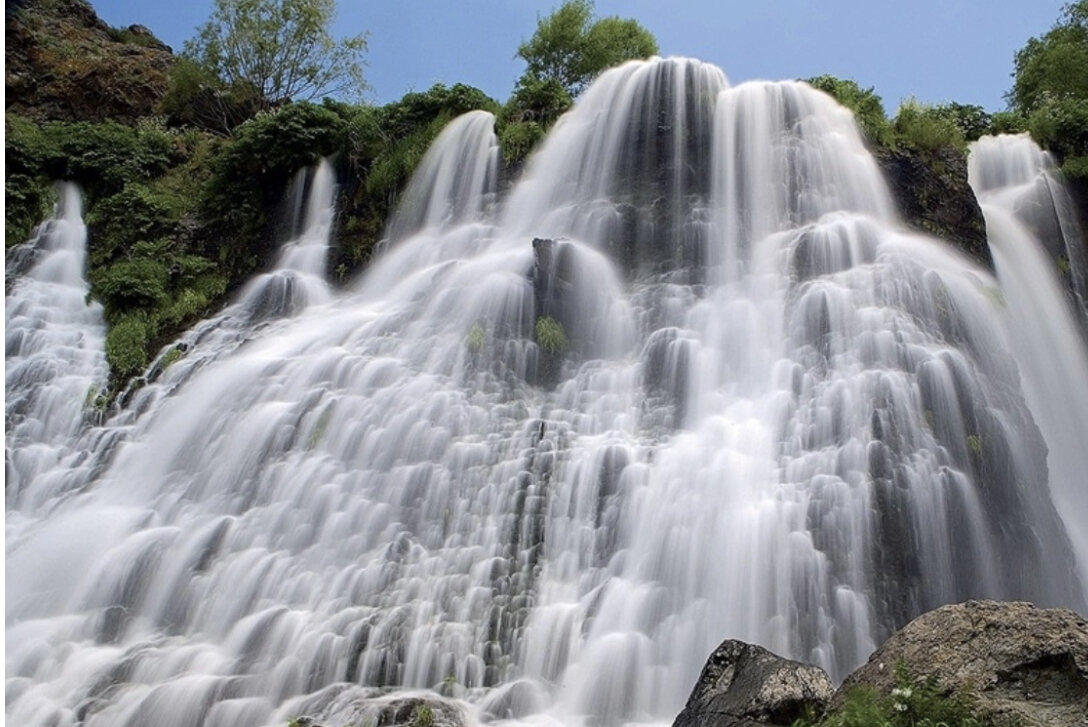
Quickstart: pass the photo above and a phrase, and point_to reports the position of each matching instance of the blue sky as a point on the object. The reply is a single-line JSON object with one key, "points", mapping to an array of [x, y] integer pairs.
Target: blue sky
{"points": [[933, 50]]}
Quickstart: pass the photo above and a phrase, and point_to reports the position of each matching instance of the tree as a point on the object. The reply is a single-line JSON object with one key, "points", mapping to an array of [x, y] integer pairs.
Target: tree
{"points": [[1050, 88], [280, 48], [571, 48], [1054, 67]]}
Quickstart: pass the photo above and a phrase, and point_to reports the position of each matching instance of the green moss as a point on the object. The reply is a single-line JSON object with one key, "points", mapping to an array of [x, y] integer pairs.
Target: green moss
{"points": [[974, 444], [550, 335], [423, 716]]}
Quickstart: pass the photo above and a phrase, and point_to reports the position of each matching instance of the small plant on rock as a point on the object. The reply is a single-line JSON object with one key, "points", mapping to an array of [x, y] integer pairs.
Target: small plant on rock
{"points": [[550, 335]]}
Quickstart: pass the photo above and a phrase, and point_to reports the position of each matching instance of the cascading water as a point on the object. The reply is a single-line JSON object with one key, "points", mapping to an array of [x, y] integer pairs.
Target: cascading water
{"points": [[688, 382], [1031, 226], [55, 344]]}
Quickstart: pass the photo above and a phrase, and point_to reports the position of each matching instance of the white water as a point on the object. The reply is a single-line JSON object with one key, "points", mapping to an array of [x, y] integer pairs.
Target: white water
{"points": [[55, 342], [1023, 200], [777, 417]]}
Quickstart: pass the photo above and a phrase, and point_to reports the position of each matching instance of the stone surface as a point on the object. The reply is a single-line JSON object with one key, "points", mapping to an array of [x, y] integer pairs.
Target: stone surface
{"points": [[743, 685], [1021, 662], [349, 704], [62, 63], [931, 191]]}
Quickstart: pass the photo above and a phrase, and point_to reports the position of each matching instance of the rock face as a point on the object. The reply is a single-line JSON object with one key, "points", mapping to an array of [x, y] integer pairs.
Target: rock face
{"points": [[62, 63], [933, 196], [1021, 662], [743, 685]]}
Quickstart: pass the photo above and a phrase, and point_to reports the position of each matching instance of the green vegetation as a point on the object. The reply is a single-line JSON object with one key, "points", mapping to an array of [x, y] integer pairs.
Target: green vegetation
{"points": [[550, 336], [912, 703], [571, 48], [926, 128], [568, 50], [281, 49], [423, 716], [1050, 88], [476, 338]]}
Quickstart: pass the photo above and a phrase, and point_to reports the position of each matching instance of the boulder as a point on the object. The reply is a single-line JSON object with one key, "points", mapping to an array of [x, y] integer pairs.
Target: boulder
{"points": [[743, 685], [1024, 665]]}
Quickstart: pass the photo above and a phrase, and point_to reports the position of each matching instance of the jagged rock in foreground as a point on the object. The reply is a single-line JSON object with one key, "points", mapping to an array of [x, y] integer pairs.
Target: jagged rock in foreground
{"points": [[1022, 666], [743, 685], [1020, 662]]}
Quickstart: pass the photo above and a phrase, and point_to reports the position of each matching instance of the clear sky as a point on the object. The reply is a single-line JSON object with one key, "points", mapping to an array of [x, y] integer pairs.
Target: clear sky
{"points": [[934, 50]]}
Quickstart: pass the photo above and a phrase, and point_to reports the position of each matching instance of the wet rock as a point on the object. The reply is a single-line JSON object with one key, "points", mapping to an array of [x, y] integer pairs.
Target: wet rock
{"points": [[931, 190], [743, 685], [1020, 662], [350, 704]]}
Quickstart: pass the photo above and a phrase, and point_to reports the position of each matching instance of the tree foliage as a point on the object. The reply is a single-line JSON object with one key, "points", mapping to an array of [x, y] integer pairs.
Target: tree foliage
{"points": [[1050, 88], [570, 47], [280, 48]]}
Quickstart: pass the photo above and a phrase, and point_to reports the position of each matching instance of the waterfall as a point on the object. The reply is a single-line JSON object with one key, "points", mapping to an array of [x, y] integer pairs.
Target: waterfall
{"points": [[688, 380], [55, 345], [1031, 226]]}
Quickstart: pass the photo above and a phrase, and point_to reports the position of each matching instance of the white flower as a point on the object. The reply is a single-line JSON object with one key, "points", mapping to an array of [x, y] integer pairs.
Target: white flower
{"points": [[900, 707]]}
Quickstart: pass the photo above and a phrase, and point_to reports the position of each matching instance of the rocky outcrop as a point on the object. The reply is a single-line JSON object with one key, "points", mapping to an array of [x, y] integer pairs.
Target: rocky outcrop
{"points": [[1018, 661], [743, 685], [1012, 664], [931, 190], [63, 63]]}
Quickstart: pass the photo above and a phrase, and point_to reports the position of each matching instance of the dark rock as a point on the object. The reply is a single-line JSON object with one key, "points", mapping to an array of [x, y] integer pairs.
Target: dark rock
{"points": [[62, 63], [1021, 662], [931, 190], [744, 685], [350, 704]]}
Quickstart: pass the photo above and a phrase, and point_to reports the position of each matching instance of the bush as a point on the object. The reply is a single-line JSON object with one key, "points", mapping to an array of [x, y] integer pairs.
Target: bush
{"points": [[27, 192], [126, 347], [1008, 122], [926, 128], [1062, 127], [972, 121], [128, 285], [550, 335], [518, 139], [197, 98]]}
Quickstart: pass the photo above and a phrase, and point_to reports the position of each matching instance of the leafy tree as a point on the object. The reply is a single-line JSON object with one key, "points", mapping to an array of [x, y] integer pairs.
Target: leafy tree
{"points": [[280, 48], [1053, 68], [1050, 88], [571, 48]]}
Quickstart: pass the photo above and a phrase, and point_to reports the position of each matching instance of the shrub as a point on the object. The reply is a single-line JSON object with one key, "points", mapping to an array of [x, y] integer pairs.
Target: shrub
{"points": [[126, 347], [130, 284], [550, 335], [926, 128], [517, 140]]}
